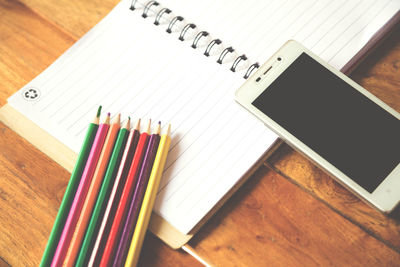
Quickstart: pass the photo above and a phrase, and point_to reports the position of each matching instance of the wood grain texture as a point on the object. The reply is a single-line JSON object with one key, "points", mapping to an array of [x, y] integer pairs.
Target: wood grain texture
{"points": [[76, 18], [3, 263], [271, 222], [31, 188], [379, 73], [157, 254], [291, 214]]}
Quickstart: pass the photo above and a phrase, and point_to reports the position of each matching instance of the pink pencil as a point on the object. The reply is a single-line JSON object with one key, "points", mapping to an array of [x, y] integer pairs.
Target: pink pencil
{"points": [[81, 192]]}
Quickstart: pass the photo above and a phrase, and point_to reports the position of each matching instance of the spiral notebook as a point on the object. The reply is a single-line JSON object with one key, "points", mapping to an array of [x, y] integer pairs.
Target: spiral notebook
{"points": [[181, 61]]}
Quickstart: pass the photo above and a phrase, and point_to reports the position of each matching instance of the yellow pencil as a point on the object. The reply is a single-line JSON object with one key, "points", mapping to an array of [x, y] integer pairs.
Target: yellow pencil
{"points": [[148, 201]]}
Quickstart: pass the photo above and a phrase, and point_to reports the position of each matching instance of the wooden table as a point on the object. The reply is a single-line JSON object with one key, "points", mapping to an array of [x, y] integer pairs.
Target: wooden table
{"points": [[289, 213]]}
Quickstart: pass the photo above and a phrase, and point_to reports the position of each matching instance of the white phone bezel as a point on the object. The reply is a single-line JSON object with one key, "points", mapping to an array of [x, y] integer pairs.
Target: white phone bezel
{"points": [[387, 195]]}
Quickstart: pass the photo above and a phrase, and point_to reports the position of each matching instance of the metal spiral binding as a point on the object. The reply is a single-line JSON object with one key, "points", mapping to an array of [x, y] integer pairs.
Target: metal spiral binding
{"points": [[210, 46], [160, 14], [172, 22], [197, 38], [133, 5], [184, 30], [236, 62], [148, 6], [250, 70], [224, 53]]}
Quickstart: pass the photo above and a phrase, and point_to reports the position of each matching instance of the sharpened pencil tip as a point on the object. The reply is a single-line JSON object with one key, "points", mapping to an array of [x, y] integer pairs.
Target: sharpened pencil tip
{"points": [[169, 129], [149, 126], [98, 111], [137, 127], [107, 119], [108, 114], [117, 119], [128, 123], [158, 130]]}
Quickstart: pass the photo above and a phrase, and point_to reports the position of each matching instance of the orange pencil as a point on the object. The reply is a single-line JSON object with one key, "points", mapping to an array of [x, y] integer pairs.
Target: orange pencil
{"points": [[91, 197]]}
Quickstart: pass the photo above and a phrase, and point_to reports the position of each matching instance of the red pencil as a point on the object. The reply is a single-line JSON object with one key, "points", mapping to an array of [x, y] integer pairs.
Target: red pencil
{"points": [[136, 201], [104, 226], [127, 193]]}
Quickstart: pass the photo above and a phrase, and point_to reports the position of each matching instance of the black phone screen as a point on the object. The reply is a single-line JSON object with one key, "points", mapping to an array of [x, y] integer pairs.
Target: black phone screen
{"points": [[335, 120]]}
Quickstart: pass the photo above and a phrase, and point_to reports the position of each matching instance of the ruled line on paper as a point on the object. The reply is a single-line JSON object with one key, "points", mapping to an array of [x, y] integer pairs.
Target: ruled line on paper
{"points": [[312, 17], [110, 91], [346, 28], [172, 159], [76, 96], [86, 78], [215, 183], [333, 27], [193, 158], [283, 30], [65, 62], [78, 100], [187, 193], [189, 146], [360, 31], [194, 123], [87, 50], [321, 24]]}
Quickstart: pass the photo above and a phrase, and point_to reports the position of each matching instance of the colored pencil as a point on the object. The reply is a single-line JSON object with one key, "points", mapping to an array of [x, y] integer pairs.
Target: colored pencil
{"points": [[148, 201], [127, 193], [136, 201], [114, 198], [92, 192], [81, 192], [104, 193], [70, 191]]}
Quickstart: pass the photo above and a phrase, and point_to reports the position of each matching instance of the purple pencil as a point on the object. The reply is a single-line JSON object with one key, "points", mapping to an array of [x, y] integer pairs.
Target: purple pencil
{"points": [[136, 203]]}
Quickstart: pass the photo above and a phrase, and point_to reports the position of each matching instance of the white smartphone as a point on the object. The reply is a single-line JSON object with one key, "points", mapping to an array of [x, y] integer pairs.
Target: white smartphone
{"points": [[332, 120]]}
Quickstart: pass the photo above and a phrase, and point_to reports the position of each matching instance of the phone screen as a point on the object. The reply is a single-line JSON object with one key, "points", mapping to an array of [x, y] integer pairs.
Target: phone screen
{"points": [[335, 120]]}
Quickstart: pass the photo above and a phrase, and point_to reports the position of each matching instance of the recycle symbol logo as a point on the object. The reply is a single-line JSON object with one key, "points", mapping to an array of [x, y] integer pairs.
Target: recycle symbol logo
{"points": [[31, 94]]}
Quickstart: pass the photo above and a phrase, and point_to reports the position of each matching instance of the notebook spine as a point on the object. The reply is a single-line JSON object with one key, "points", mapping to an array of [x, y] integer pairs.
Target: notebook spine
{"points": [[163, 15]]}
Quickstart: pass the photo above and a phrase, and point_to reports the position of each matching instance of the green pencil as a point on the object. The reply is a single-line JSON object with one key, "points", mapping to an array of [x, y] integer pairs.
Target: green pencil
{"points": [[70, 192], [105, 189]]}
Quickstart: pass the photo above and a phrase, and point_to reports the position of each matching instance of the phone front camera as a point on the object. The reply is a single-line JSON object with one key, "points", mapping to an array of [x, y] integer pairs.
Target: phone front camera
{"points": [[279, 59]]}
